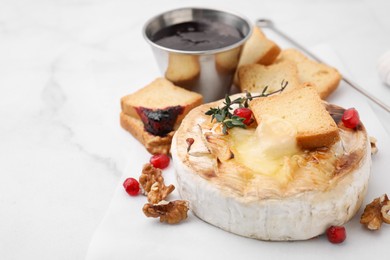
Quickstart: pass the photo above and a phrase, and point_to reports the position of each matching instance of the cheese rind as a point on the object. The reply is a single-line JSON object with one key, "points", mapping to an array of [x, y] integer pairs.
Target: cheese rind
{"points": [[299, 217], [299, 207]]}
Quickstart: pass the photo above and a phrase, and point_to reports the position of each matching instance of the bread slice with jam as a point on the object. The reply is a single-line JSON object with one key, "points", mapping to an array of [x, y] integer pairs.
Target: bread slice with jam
{"points": [[154, 144], [154, 112]]}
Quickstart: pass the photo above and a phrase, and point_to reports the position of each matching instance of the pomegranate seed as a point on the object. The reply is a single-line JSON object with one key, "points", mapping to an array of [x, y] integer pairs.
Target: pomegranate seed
{"points": [[336, 234], [131, 186], [245, 113], [160, 161], [350, 118]]}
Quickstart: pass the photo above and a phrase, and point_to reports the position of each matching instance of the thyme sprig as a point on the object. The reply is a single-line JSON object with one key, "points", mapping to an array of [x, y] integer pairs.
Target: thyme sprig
{"points": [[224, 115]]}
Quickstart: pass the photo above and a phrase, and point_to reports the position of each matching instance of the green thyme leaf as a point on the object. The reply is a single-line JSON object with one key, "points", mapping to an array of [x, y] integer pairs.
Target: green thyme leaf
{"points": [[219, 117], [224, 129], [211, 111]]}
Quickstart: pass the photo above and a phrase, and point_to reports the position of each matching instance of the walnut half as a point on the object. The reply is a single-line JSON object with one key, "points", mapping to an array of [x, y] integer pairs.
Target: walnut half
{"points": [[159, 192], [149, 176], [385, 211], [376, 212], [171, 212], [152, 183]]}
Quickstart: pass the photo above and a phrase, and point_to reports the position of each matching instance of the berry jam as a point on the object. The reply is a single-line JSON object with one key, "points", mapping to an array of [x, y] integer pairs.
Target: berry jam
{"points": [[159, 121], [197, 36]]}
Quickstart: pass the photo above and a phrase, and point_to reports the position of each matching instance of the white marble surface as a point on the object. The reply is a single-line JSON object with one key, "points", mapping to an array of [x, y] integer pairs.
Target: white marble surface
{"points": [[64, 66]]}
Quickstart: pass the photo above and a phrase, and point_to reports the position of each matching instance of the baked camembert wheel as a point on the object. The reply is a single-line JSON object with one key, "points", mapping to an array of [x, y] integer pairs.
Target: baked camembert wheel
{"points": [[259, 182]]}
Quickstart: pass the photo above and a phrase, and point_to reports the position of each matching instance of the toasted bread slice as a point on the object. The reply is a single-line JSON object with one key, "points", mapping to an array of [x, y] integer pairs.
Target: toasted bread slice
{"points": [[254, 77], [325, 78], [154, 144], [305, 110], [153, 113], [258, 49], [182, 69], [160, 94]]}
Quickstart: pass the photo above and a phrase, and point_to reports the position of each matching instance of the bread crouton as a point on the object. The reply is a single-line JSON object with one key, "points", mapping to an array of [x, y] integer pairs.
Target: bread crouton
{"points": [[304, 109], [258, 49], [255, 77], [325, 78]]}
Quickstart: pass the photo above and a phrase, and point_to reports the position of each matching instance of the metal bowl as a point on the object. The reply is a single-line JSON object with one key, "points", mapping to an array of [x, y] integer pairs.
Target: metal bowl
{"points": [[208, 72]]}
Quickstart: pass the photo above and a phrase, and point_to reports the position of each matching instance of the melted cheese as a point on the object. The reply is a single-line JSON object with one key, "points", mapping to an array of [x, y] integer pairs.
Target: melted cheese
{"points": [[269, 156], [277, 137], [266, 150]]}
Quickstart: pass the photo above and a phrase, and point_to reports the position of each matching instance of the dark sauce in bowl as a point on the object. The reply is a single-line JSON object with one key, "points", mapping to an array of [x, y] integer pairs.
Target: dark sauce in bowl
{"points": [[197, 36]]}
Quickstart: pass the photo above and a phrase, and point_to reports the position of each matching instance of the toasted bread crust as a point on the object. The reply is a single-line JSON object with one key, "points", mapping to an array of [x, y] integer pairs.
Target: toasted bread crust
{"points": [[153, 144], [258, 49], [254, 77], [168, 95], [304, 109], [159, 94], [323, 76], [270, 56]]}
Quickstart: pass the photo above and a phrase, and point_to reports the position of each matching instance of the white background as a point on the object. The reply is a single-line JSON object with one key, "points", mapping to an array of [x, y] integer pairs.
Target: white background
{"points": [[64, 66]]}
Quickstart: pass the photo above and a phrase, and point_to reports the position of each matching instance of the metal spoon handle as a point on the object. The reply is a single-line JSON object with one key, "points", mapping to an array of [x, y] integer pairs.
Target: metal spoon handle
{"points": [[265, 23]]}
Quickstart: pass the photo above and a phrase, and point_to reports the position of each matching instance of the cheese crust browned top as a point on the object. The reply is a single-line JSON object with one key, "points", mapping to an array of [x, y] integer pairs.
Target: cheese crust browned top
{"points": [[218, 159]]}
